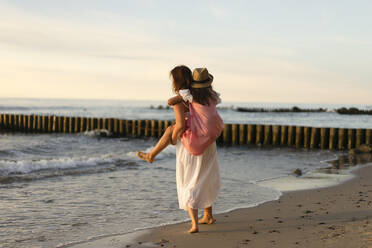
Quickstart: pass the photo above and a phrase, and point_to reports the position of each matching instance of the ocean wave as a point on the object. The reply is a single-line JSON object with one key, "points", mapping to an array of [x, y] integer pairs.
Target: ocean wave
{"points": [[97, 133], [9, 167], [11, 153], [27, 170]]}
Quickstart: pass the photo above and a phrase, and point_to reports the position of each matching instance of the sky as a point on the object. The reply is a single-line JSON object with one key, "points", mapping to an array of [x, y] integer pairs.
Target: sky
{"points": [[317, 51]]}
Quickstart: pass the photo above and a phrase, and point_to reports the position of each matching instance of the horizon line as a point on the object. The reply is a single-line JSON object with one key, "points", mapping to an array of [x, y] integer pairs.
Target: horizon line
{"points": [[157, 100]]}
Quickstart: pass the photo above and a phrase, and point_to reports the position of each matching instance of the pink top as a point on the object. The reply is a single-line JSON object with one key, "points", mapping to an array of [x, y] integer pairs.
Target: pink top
{"points": [[203, 126]]}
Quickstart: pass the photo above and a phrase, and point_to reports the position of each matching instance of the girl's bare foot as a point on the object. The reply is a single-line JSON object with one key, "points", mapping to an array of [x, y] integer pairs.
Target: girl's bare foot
{"points": [[194, 229], [145, 156], [207, 220]]}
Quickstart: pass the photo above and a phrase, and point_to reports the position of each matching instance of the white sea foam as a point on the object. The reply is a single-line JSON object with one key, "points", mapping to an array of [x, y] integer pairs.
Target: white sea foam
{"points": [[310, 180], [124, 239], [29, 165], [97, 132]]}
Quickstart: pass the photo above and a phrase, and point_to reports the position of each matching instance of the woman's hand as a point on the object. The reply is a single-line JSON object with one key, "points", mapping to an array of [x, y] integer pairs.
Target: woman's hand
{"points": [[179, 114]]}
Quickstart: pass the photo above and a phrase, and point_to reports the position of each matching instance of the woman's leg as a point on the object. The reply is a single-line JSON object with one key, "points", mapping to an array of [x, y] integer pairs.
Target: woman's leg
{"points": [[193, 213], [164, 141], [207, 216]]}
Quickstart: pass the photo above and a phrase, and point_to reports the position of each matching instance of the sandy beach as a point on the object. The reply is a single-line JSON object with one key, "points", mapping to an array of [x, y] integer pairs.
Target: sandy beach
{"points": [[337, 216]]}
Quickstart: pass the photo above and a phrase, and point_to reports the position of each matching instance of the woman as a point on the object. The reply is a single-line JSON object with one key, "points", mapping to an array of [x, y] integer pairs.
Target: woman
{"points": [[198, 178]]}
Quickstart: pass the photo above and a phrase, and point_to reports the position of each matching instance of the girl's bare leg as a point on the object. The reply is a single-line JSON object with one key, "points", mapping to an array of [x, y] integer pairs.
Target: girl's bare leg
{"points": [[193, 213], [207, 216], [164, 141]]}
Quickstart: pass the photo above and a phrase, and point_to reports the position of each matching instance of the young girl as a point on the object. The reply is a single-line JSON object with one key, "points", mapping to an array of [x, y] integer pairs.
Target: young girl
{"points": [[181, 77], [184, 85]]}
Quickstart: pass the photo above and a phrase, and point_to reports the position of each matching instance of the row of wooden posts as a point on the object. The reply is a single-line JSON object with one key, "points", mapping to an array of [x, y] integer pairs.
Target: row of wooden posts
{"points": [[233, 134]]}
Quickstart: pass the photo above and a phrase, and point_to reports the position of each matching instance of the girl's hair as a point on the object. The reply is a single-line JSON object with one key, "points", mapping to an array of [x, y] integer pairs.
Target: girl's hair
{"points": [[202, 95], [182, 78]]}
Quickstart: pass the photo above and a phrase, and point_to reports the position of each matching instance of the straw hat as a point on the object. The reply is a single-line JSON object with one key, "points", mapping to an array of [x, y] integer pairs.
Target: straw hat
{"points": [[201, 78]]}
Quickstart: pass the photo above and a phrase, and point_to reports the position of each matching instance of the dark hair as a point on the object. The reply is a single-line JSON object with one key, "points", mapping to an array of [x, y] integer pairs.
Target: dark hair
{"points": [[202, 95], [182, 77]]}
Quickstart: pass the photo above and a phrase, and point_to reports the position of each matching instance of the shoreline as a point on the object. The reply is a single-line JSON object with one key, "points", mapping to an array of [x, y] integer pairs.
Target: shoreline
{"points": [[335, 216], [290, 221]]}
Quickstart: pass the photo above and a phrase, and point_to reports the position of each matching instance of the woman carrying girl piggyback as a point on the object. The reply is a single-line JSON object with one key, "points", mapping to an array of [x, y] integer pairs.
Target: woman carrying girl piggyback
{"points": [[197, 127]]}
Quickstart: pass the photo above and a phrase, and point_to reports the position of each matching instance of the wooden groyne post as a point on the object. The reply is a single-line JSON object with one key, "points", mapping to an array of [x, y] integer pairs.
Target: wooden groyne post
{"points": [[300, 137]]}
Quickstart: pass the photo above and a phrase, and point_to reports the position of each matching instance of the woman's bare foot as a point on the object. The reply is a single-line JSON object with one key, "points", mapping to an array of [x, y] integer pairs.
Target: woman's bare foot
{"points": [[207, 220], [194, 229], [145, 156]]}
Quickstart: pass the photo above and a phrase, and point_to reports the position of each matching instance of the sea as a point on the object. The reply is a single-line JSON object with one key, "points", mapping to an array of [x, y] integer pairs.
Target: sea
{"points": [[57, 190]]}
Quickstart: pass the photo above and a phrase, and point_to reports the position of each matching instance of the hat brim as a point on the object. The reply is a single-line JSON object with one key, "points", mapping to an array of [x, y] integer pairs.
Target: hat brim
{"points": [[203, 84]]}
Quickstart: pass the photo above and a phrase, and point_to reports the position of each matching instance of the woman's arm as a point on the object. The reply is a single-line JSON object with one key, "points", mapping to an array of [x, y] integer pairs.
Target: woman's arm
{"points": [[180, 122]]}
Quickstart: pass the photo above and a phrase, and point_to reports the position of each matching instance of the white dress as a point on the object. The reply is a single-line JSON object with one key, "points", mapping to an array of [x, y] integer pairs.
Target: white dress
{"points": [[198, 177]]}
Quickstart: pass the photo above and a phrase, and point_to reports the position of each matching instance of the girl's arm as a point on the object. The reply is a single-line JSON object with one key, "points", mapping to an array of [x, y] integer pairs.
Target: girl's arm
{"points": [[180, 122]]}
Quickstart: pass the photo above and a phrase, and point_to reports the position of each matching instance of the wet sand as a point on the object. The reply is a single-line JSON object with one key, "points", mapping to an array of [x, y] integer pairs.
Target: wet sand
{"points": [[338, 216]]}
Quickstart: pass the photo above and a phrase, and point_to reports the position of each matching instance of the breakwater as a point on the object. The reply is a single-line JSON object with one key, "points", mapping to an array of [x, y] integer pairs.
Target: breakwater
{"points": [[233, 134]]}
